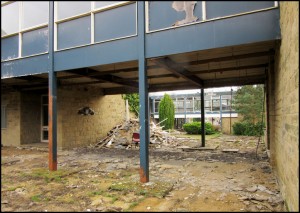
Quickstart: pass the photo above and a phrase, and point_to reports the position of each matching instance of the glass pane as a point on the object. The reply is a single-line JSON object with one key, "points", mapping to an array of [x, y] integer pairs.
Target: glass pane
{"points": [[99, 4], [35, 13], [74, 33], [71, 8], [34, 42], [9, 47], [10, 18], [216, 9], [45, 135], [162, 14], [115, 23], [45, 115]]}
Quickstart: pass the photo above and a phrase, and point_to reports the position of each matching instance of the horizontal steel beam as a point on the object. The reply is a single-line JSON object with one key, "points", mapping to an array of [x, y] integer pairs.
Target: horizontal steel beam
{"points": [[178, 70]]}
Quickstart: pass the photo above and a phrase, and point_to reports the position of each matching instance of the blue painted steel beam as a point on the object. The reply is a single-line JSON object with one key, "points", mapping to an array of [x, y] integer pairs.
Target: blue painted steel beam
{"points": [[26, 66], [52, 125], [143, 94], [97, 54], [202, 119]]}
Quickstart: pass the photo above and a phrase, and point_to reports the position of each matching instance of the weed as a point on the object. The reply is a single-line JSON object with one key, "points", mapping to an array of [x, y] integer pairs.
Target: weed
{"points": [[159, 189], [36, 198]]}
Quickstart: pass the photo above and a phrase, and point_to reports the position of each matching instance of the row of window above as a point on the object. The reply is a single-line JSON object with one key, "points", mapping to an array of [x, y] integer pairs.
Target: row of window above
{"points": [[23, 15], [24, 24], [69, 34]]}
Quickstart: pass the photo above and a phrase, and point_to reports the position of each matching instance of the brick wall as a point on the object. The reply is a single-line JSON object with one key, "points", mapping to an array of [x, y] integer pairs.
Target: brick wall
{"points": [[30, 117], [10, 136], [77, 130], [284, 106], [226, 124]]}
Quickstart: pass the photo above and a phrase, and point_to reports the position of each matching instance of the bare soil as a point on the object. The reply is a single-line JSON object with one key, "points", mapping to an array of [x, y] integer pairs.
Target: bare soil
{"points": [[107, 179]]}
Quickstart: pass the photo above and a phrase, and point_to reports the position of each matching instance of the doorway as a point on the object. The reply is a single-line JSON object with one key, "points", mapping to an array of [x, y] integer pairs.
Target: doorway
{"points": [[44, 119]]}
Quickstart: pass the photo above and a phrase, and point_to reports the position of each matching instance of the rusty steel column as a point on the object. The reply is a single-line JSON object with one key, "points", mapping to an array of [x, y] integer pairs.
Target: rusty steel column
{"points": [[143, 94], [52, 123], [202, 119]]}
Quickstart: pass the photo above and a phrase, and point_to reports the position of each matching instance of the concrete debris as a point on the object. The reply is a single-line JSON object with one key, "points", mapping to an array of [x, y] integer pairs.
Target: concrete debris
{"points": [[121, 136]]}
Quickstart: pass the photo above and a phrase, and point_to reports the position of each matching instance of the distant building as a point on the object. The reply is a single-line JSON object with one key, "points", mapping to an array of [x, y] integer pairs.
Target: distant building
{"points": [[188, 108]]}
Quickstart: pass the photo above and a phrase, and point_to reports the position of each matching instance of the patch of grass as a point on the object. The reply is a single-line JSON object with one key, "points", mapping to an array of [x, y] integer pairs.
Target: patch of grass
{"points": [[47, 175], [158, 189], [36, 198], [114, 197], [100, 192], [13, 188]]}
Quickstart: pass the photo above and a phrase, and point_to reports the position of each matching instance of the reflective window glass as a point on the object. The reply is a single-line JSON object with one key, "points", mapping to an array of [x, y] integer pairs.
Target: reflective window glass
{"points": [[35, 13], [10, 18], [9, 47], [34, 42], [72, 8], [74, 33], [99, 4], [115, 23]]}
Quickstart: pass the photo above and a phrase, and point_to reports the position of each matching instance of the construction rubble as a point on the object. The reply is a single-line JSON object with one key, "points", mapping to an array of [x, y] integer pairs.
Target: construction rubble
{"points": [[120, 136]]}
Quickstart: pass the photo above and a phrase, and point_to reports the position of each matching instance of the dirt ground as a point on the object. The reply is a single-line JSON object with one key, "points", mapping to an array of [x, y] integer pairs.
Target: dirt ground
{"points": [[107, 179]]}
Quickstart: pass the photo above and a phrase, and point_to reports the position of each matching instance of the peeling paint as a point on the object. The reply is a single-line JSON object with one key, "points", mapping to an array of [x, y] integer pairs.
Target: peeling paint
{"points": [[188, 7]]}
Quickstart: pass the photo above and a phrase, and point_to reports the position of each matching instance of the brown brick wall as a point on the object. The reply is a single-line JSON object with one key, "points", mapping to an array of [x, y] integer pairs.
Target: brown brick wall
{"points": [[284, 106], [10, 136], [226, 124], [77, 130]]}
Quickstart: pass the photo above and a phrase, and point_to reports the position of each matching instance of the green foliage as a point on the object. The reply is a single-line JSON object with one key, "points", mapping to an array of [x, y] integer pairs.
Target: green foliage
{"points": [[133, 102], [195, 128], [166, 112], [248, 102], [247, 128]]}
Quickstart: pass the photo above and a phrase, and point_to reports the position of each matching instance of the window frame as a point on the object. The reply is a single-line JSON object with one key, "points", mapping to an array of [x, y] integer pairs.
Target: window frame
{"points": [[22, 31], [91, 13]]}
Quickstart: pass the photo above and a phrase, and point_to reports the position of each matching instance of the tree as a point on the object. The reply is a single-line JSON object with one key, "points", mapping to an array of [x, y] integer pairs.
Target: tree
{"points": [[248, 101], [133, 102], [166, 112]]}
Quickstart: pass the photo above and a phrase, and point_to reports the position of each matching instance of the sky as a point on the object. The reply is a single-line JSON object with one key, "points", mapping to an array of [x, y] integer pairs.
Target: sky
{"points": [[194, 91]]}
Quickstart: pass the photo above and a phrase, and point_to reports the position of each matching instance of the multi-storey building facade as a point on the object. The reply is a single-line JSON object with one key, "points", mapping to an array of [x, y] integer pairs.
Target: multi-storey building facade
{"points": [[78, 53]]}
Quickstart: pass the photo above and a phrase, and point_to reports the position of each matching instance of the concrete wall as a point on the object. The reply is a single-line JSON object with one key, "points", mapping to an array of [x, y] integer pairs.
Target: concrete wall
{"points": [[30, 117], [284, 106], [11, 136], [76, 130]]}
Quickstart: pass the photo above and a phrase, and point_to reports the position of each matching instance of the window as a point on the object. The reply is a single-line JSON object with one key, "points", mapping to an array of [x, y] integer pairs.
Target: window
{"points": [[10, 19], [3, 117], [92, 22], [66, 9], [24, 29], [35, 13]]}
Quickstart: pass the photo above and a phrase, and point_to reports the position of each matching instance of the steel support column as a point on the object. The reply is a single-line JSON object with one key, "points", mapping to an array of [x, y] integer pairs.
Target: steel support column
{"points": [[202, 119], [52, 125], [143, 93], [221, 112]]}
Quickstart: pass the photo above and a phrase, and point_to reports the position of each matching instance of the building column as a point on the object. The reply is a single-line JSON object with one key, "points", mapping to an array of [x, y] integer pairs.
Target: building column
{"points": [[143, 94], [202, 119], [52, 123]]}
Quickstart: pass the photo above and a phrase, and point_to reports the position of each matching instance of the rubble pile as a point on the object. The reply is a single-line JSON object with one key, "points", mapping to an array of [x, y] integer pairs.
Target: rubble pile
{"points": [[120, 136]]}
